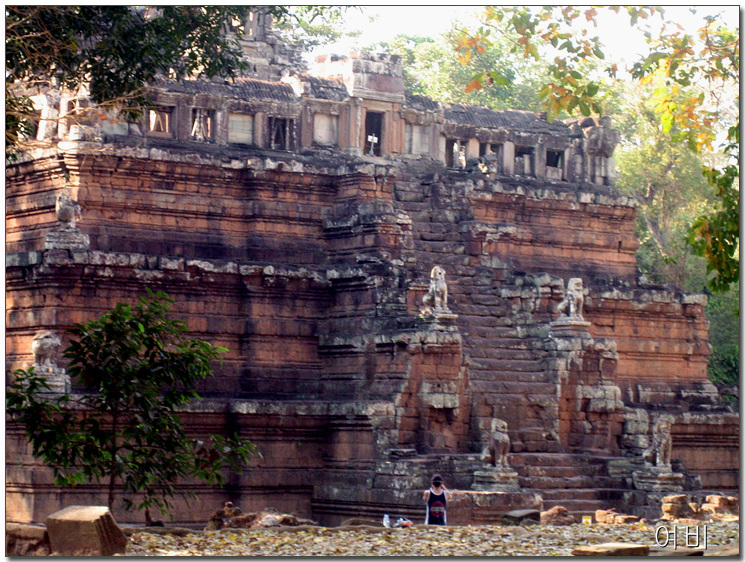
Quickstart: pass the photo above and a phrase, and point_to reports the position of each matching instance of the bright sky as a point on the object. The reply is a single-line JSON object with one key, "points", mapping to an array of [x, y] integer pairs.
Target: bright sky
{"points": [[430, 20]]}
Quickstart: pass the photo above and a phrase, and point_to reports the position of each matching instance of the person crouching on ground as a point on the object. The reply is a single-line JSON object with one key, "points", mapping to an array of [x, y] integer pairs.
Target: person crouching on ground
{"points": [[437, 502]]}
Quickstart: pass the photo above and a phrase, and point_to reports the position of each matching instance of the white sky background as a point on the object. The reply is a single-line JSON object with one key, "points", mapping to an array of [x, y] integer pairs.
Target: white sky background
{"points": [[621, 41]]}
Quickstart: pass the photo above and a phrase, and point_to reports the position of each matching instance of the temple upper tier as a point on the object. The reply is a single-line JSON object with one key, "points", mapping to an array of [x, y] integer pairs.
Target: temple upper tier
{"points": [[356, 104]]}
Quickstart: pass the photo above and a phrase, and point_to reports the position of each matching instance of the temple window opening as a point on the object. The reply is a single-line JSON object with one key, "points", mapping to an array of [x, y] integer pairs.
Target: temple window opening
{"points": [[160, 121], [35, 121], [524, 160], [282, 133], [555, 159], [373, 133], [202, 128], [455, 153]]}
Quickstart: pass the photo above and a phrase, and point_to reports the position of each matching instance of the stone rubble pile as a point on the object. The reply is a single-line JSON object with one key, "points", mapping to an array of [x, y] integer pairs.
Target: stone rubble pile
{"points": [[682, 507], [611, 517], [231, 517]]}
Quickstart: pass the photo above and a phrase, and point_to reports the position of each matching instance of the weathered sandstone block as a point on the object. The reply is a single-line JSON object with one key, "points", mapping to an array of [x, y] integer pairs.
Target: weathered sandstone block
{"points": [[85, 531], [26, 540], [558, 515]]}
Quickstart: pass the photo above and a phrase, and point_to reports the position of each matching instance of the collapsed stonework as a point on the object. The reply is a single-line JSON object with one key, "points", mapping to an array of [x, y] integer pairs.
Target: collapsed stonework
{"points": [[300, 220]]}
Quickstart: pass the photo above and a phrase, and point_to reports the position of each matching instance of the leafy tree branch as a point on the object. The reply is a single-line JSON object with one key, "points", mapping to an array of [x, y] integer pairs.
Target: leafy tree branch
{"points": [[115, 52], [137, 370], [696, 77]]}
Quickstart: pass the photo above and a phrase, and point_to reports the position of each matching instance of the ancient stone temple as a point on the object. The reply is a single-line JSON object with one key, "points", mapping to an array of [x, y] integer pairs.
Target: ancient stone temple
{"points": [[404, 286]]}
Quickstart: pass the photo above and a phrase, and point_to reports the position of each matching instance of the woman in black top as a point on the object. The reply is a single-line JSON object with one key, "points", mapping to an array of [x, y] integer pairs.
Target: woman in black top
{"points": [[437, 502]]}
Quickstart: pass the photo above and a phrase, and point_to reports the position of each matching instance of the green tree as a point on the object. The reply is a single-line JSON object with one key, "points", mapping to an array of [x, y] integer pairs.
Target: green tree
{"points": [[116, 51], [432, 69], [707, 62], [313, 26], [664, 177], [137, 370], [724, 336]]}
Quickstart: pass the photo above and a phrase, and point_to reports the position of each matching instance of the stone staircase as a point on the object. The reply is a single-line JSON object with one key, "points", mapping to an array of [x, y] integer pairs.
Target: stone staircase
{"points": [[579, 482]]}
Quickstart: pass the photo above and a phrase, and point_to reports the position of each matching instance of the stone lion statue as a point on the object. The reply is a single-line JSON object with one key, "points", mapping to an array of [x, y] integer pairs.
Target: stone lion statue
{"points": [[498, 445], [67, 210], [574, 299], [659, 453], [45, 346], [437, 297]]}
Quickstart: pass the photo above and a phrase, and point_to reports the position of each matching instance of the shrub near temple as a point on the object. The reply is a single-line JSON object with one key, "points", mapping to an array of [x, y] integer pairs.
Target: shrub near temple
{"points": [[137, 369]]}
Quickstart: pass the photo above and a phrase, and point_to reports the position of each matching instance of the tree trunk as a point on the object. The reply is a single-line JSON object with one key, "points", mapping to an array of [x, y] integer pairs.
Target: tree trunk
{"points": [[114, 451]]}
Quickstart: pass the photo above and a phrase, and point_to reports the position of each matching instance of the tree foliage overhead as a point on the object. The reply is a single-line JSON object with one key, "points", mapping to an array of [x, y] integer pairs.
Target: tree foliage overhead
{"points": [[696, 96], [432, 69], [313, 26], [137, 370], [665, 178]]}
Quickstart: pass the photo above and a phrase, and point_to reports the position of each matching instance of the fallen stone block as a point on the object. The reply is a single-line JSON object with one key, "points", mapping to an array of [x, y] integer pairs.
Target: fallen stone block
{"points": [[81, 530], [719, 501], [605, 516], [26, 540], [734, 504], [612, 549], [625, 519], [521, 516], [558, 515], [231, 517]]}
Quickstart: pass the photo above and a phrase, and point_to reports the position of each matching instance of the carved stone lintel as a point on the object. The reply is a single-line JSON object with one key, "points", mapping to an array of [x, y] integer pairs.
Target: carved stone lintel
{"points": [[438, 321], [495, 480], [569, 326], [658, 479]]}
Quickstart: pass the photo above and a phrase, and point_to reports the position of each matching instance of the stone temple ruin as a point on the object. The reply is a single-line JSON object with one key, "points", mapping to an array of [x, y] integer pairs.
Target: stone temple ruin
{"points": [[405, 287]]}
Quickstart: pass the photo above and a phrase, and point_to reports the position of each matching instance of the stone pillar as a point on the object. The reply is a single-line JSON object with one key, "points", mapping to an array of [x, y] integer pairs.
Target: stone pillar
{"points": [[260, 125], [508, 158], [540, 161], [356, 127]]}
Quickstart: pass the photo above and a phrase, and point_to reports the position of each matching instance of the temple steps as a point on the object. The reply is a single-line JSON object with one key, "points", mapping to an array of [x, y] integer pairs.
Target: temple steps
{"points": [[566, 482], [579, 482], [588, 494]]}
